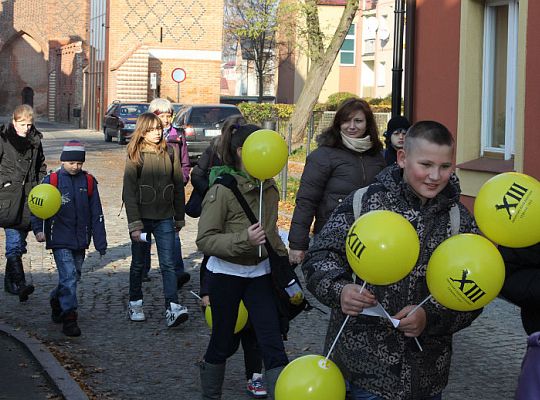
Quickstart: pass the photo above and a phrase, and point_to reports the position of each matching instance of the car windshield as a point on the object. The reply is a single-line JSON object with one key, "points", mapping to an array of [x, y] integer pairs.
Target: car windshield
{"points": [[127, 110], [211, 115]]}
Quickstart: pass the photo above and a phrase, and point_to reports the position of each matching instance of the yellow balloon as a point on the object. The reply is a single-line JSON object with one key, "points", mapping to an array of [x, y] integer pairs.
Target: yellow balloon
{"points": [[264, 154], [465, 272], [382, 247], [241, 320], [310, 378], [44, 200], [507, 209]]}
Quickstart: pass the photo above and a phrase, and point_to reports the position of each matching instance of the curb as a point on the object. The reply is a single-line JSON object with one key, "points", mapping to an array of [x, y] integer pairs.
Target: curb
{"points": [[65, 384]]}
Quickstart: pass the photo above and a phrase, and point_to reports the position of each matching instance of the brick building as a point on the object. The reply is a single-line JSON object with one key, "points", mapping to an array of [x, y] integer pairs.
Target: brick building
{"points": [[70, 58]]}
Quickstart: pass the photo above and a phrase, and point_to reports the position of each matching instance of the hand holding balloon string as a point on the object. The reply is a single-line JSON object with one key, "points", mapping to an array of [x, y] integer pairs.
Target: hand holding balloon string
{"points": [[351, 287]]}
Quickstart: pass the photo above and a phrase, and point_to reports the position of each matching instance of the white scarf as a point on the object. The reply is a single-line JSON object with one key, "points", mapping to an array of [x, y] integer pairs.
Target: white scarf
{"points": [[359, 145]]}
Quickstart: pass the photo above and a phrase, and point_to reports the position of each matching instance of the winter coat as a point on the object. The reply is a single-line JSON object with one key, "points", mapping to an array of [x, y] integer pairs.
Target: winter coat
{"points": [[179, 141], [371, 353], [21, 163], [522, 283], [330, 175], [223, 223], [79, 219], [154, 190]]}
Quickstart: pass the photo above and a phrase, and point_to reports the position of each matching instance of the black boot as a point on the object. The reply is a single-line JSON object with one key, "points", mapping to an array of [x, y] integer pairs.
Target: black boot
{"points": [[56, 310], [70, 326], [14, 281], [9, 284]]}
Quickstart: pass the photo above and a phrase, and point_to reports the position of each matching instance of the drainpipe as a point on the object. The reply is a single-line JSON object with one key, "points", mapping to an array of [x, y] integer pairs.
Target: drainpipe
{"points": [[397, 67], [409, 59]]}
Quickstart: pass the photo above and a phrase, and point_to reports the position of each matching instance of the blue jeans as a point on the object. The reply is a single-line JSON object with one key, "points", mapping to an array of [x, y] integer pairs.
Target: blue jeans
{"points": [[69, 264], [361, 394], [163, 232], [15, 242], [179, 262]]}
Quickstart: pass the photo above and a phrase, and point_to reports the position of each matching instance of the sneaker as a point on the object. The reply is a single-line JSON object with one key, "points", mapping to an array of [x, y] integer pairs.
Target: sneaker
{"points": [[135, 310], [175, 315], [255, 387], [70, 326], [182, 279], [56, 310]]}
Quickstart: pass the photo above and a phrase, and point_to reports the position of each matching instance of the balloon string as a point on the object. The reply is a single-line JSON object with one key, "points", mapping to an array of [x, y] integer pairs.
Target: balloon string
{"points": [[342, 326], [260, 211], [412, 312]]}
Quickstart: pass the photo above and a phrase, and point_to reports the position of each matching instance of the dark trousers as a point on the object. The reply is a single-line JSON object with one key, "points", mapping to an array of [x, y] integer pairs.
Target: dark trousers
{"points": [[226, 291]]}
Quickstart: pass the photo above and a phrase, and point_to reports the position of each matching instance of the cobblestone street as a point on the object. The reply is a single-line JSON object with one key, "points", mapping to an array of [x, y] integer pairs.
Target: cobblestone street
{"points": [[120, 359]]}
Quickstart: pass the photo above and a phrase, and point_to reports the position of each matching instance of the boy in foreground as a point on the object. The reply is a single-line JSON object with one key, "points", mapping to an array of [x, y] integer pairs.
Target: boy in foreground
{"points": [[377, 360]]}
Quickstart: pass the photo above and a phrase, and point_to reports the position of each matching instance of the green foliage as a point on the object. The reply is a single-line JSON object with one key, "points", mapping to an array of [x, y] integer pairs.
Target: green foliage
{"points": [[335, 99], [293, 185], [257, 113]]}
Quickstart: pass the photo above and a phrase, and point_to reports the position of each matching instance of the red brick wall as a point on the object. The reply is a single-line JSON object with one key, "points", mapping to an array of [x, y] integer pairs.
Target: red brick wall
{"points": [[194, 25]]}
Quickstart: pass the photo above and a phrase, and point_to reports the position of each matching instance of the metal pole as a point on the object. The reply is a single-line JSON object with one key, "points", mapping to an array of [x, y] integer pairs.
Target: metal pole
{"points": [[409, 60], [397, 68], [311, 130], [178, 93]]}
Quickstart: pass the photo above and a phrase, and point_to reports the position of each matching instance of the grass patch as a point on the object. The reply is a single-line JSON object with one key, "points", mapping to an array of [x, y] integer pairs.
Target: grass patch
{"points": [[292, 188]]}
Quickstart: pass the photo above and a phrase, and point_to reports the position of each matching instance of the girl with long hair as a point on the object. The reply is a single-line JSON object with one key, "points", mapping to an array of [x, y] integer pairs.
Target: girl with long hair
{"points": [[153, 195]]}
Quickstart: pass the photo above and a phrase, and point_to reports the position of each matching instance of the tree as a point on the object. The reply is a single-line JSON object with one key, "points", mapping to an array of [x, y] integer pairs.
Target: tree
{"points": [[321, 59], [253, 24]]}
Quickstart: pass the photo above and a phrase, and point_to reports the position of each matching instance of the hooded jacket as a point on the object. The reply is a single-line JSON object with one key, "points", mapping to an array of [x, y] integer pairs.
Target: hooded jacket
{"points": [[223, 223], [21, 163], [79, 219], [330, 175], [371, 353]]}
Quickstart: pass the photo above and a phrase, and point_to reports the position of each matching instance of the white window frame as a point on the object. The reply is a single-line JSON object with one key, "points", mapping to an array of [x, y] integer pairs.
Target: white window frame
{"points": [[353, 51], [488, 77]]}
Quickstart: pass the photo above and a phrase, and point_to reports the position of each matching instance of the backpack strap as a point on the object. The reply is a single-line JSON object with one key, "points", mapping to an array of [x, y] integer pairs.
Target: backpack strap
{"points": [[357, 201], [454, 219], [89, 184], [53, 180]]}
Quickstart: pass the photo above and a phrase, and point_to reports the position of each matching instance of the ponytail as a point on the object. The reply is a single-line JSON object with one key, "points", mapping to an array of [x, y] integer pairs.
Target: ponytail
{"points": [[233, 137]]}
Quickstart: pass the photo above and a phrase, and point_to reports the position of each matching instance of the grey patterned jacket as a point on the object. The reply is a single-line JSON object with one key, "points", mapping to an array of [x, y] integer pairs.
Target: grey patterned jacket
{"points": [[371, 353]]}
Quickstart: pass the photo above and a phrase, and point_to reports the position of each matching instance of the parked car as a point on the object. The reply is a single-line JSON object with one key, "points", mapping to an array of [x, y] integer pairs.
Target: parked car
{"points": [[120, 119], [200, 123]]}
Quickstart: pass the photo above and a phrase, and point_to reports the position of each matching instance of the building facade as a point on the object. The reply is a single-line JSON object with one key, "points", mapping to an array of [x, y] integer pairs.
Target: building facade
{"points": [[475, 70], [70, 59]]}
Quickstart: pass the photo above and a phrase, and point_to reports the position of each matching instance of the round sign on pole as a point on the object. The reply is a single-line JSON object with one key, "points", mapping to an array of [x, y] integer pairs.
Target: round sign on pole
{"points": [[178, 75]]}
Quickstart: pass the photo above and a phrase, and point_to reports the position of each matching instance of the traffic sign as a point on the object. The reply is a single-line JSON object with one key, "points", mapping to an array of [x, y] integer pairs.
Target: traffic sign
{"points": [[178, 75]]}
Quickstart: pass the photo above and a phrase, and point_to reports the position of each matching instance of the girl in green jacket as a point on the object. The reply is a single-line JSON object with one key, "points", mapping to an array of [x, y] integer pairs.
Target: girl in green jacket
{"points": [[153, 195], [238, 272]]}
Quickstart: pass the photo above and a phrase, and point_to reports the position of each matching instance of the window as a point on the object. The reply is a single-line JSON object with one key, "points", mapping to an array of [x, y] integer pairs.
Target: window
{"points": [[346, 54], [499, 77], [381, 74]]}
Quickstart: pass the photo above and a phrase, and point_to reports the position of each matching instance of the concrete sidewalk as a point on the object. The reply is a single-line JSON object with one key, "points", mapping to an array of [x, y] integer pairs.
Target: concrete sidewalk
{"points": [[120, 359]]}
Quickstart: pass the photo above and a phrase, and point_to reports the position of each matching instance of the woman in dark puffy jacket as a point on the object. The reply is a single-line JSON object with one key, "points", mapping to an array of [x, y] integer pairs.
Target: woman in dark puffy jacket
{"points": [[22, 166], [349, 157]]}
